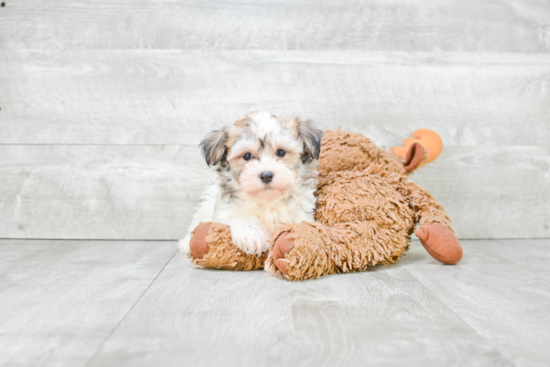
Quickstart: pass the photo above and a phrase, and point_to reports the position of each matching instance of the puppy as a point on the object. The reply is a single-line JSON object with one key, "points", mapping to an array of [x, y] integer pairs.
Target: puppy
{"points": [[267, 169]]}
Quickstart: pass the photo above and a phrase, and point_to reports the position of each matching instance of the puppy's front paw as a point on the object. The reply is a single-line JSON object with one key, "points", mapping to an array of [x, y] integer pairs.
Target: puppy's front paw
{"points": [[250, 239], [183, 245]]}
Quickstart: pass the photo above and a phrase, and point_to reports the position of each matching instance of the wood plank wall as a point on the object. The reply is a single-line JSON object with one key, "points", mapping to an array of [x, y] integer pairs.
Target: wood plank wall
{"points": [[103, 103]]}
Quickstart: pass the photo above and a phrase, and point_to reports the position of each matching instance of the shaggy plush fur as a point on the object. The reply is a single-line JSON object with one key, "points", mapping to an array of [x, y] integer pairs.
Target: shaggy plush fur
{"points": [[211, 247], [367, 209]]}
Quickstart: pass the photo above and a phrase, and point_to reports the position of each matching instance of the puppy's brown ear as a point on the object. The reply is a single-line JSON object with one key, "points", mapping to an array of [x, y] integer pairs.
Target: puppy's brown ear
{"points": [[311, 137], [213, 147]]}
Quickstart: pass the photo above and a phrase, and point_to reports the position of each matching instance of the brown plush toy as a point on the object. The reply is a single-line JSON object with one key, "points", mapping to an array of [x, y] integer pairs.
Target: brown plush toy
{"points": [[367, 209]]}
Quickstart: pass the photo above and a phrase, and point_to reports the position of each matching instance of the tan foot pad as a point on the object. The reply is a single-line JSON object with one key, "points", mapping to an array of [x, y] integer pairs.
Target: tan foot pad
{"points": [[283, 245], [198, 245], [440, 242]]}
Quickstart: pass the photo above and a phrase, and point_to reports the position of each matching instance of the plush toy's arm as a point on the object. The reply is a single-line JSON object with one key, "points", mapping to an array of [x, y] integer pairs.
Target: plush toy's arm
{"points": [[434, 231], [309, 250], [211, 246]]}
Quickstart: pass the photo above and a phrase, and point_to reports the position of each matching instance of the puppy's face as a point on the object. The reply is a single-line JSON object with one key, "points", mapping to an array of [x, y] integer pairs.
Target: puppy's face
{"points": [[262, 155]]}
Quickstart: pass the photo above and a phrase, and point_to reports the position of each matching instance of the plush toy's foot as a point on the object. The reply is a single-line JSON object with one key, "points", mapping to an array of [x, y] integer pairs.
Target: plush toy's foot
{"points": [[440, 242], [300, 251], [211, 246]]}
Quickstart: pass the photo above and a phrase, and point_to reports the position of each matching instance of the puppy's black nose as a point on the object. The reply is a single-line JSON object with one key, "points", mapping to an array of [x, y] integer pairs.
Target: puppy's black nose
{"points": [[266, 177]]}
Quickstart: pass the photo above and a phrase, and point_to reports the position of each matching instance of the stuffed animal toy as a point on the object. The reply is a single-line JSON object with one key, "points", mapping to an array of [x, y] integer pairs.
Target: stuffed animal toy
{"points": [[367, 209]]}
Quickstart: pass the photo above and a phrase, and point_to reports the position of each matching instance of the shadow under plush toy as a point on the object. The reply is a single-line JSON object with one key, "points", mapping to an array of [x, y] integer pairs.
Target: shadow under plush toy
{"points": [[367, 209]]}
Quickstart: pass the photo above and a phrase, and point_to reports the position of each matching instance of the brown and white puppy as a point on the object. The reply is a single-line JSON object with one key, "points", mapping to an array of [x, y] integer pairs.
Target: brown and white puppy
{"points": [[267, 169]]}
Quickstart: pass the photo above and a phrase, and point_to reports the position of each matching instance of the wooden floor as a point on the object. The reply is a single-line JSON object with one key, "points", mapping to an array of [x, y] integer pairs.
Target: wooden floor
{"points": [[139, 303]]}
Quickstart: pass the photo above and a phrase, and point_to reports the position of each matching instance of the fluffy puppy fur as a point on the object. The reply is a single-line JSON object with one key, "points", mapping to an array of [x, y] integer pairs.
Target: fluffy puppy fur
{"points": [[267, 169]]}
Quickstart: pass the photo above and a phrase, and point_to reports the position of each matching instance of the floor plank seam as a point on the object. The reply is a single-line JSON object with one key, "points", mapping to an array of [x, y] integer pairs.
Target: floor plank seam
{"points": [[128, 312], [460, 318]]}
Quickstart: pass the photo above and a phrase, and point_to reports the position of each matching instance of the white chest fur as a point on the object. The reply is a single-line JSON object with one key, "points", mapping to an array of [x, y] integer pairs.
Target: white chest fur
{"points": [[297, 206]]}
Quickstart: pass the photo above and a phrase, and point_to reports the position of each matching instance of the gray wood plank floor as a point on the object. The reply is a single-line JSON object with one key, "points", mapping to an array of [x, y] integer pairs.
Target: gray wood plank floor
{"points": [[59, 300], [104, 303]]}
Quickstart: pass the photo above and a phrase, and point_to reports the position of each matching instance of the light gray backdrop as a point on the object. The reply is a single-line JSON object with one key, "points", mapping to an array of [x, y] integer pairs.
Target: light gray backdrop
{"points": [[103, 103]]}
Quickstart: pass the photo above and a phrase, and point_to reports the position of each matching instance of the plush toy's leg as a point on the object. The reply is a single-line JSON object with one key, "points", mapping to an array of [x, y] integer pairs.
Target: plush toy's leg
{"points": [[211, 247], [434, 231], [310, 250]]}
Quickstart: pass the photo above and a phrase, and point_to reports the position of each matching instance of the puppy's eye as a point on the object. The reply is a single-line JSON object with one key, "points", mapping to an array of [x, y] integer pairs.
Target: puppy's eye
{"points": [[280, 153], [247, 157]]}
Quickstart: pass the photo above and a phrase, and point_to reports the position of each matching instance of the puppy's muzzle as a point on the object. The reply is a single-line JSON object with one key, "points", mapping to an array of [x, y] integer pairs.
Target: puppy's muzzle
{"points": [[266, 177]]}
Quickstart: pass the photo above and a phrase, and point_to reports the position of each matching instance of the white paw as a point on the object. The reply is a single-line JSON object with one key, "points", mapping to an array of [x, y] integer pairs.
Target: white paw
{"points": [[251, 239], [183, 245]]}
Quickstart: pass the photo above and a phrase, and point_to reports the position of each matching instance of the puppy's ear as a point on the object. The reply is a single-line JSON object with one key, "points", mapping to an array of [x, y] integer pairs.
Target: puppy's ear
{"points": [[311, 137], [213, 147]]}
